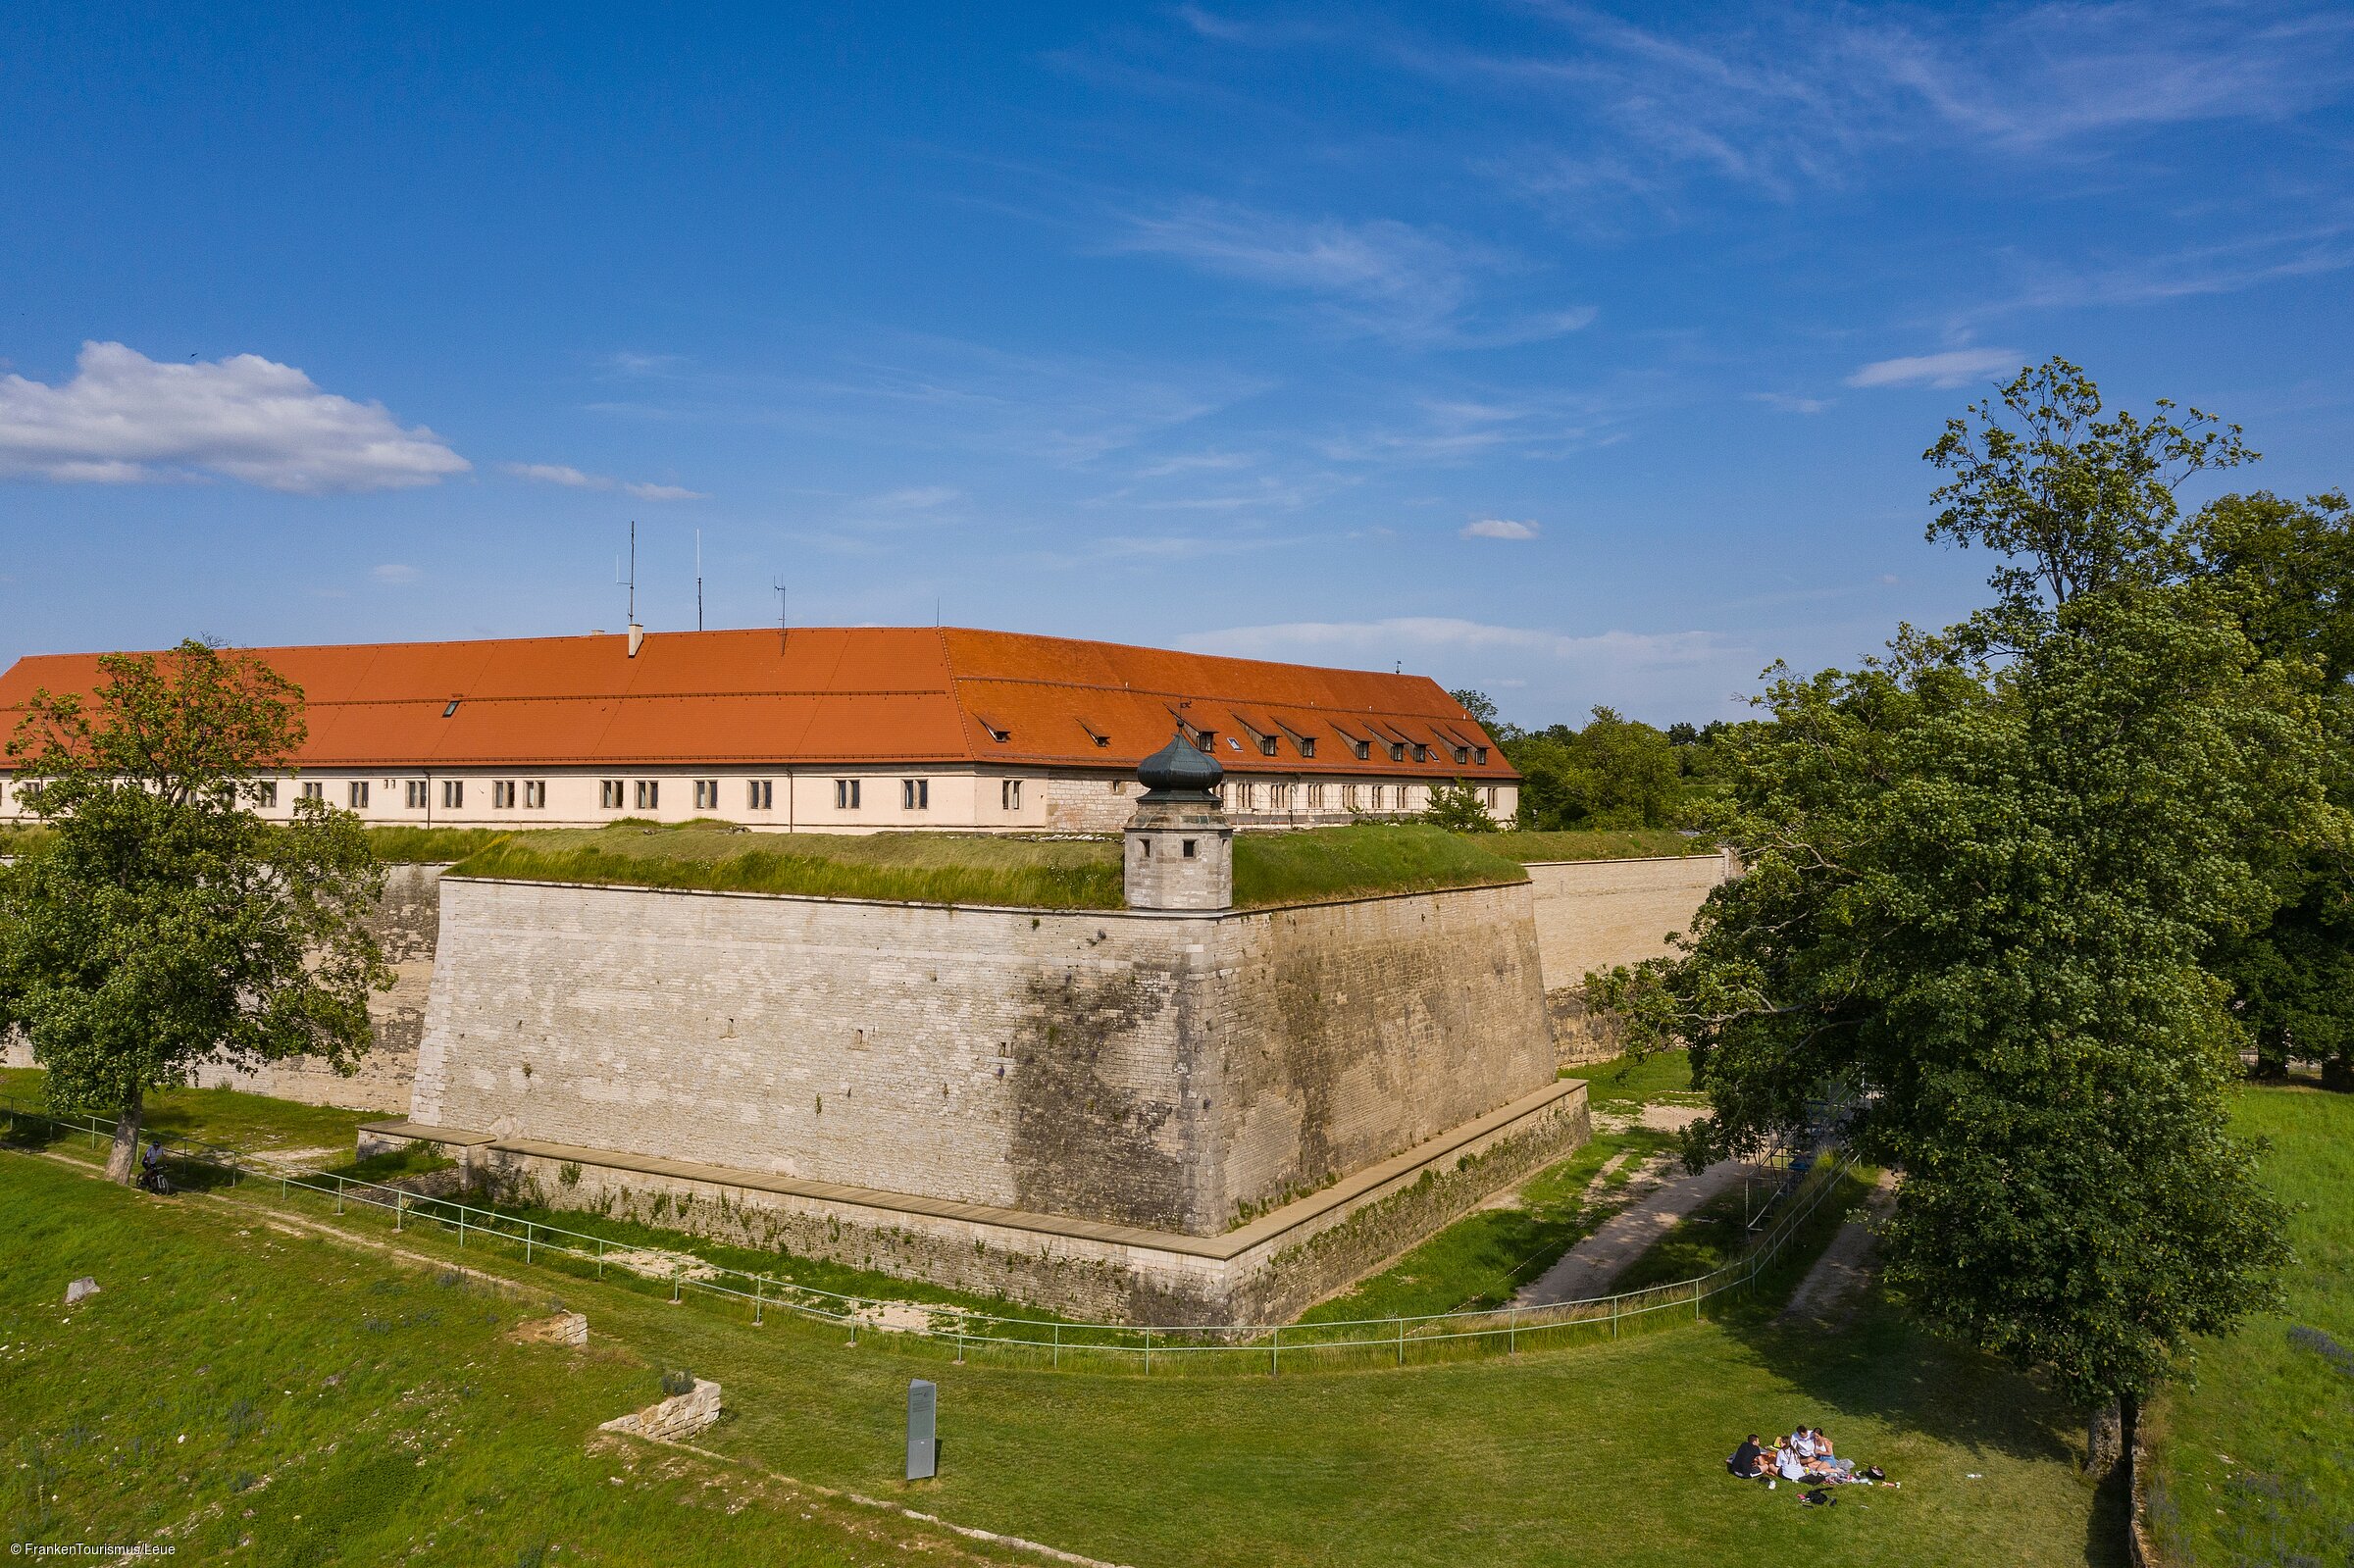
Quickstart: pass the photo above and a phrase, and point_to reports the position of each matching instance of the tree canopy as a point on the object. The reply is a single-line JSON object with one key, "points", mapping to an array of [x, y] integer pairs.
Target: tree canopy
{"points": [[1986, 876], [165, 926]]}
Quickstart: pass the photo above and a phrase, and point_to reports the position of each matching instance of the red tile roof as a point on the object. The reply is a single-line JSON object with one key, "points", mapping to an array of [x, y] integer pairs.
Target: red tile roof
{"points": [[821, 695]]}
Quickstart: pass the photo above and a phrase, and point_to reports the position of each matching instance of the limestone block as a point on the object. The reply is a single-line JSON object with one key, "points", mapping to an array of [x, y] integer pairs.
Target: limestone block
{"points": [[675, 1419]]}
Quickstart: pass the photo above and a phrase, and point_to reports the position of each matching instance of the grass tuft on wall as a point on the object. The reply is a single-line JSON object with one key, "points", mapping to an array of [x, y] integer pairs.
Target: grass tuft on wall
{"points": [[1596, 844]]}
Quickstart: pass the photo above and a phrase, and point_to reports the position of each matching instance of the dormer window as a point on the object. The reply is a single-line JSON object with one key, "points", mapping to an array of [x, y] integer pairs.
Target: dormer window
{"points": [[1099, 737], [1397, 751], [1462, 754], [1308, 745], [998, 733], [1480, 754], [1266, 746], [1422, 753]]}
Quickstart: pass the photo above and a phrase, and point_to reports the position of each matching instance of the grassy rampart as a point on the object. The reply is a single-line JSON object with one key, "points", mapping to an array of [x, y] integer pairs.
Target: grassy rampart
{"points": [[1597, 843], [1052, 872]]}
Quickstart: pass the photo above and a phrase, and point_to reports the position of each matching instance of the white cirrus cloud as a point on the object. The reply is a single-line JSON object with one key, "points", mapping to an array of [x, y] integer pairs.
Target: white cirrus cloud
{"points": [[125, 419], [1378, 277], [1499, 528], [1428, 632], [1956, 366], [574, 479], [394, 574]]}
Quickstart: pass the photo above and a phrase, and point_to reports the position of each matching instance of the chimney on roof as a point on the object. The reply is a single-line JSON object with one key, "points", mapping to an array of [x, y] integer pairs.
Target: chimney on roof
{"points": [[636, 638]]}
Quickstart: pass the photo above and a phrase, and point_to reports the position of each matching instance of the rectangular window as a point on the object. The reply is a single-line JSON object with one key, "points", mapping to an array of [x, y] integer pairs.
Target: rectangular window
{"points": [[453, 794], [915, 794], [1010, 794], [1397, 751], [314, 792], [359, 794], [1186, 846], [265, 794], [1266, 746], [535, 793], [502, 795], [1422, 753], [761, 797], [1246, 797], [1487, 797], [1308, 745], [649, 794], [1462, 754], [412, 795], [845, 794], [1379, 793], [608, 794], [1479, 754], [1315, 797], [706, 795]]}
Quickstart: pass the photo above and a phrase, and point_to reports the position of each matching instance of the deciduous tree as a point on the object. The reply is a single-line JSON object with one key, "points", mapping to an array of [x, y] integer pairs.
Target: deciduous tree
{"points": [[165, 926], [1984, 878]]}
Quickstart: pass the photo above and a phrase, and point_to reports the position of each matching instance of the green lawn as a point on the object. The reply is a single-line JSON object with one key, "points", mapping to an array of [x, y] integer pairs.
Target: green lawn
{"points": [[239, 1390], [1625, 1082], [1055, 873], [2257, 1461], [1480, 1260], [255, 1123], [1596, 844], [1602, 1454]]}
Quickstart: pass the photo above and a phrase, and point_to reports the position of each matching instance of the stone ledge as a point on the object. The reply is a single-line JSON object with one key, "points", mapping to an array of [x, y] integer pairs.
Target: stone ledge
{"points": [[1259, 1232]]}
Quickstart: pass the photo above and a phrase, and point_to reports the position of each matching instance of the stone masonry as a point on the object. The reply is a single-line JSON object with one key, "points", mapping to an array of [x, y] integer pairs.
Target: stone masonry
{"points": [[1166, 1071], [1594, 914]]}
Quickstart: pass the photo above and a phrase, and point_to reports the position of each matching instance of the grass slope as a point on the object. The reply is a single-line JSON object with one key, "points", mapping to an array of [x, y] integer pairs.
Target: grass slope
{"points": [[2256, 1463], [1606, 1454], [240, 1390], [1270, 868], [1596, 844], [255, 1123]]}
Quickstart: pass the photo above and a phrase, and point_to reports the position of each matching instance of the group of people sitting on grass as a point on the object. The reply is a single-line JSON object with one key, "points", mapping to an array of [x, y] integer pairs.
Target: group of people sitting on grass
{"points": [[1807, 1457]]}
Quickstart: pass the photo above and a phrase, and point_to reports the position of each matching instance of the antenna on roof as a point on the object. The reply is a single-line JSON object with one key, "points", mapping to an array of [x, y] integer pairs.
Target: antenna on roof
{"points": [[777, 589], [637, 632], [698, 579]]}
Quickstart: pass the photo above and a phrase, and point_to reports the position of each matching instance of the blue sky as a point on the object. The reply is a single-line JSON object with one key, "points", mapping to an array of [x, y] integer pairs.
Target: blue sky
{"points": [[1583, 355]]}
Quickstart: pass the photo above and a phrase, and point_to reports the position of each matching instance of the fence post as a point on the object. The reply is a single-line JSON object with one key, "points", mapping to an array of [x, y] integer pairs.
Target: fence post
{"points": [[673, 1284], [1275, 1353], [1512, 1334], [1059, 1345], [1147, 1350], [1614, 1317], [600, 1257], [756, 1298], [1402, 1342], [526, 1240], [338, 1194], [461, 1227], [400, 1201]]}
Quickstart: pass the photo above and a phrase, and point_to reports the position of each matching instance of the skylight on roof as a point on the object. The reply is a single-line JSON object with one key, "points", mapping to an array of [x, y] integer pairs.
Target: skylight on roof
{"points": [[451, 711]]}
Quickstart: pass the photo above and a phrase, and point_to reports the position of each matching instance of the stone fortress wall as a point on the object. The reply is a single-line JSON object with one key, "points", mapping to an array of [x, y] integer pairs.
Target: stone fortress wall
{"points": [[1596, 914], [1171, 1072]]}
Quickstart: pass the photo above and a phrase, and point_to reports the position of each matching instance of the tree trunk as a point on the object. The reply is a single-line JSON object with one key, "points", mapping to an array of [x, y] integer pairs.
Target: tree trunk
{"points": [[123, 1159], [2104, 1437]]}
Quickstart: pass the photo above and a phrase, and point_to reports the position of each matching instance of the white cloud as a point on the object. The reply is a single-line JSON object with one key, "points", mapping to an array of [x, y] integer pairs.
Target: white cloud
{"points": [[1442, 632], [394, 574], [572, 478], [1662, 675], [1499, 527], [1789, 403], [1958, 366], [1380, 278], [125, 419], [917, 497]]}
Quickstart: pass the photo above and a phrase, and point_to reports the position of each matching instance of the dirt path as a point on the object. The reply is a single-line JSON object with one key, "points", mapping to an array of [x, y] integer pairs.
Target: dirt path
{"points": [[1829, 1293], [1587, 1269]]}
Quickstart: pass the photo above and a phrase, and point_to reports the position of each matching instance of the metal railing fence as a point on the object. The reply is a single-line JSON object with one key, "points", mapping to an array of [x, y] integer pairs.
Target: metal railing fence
{"points": [[1049, 1341]]}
